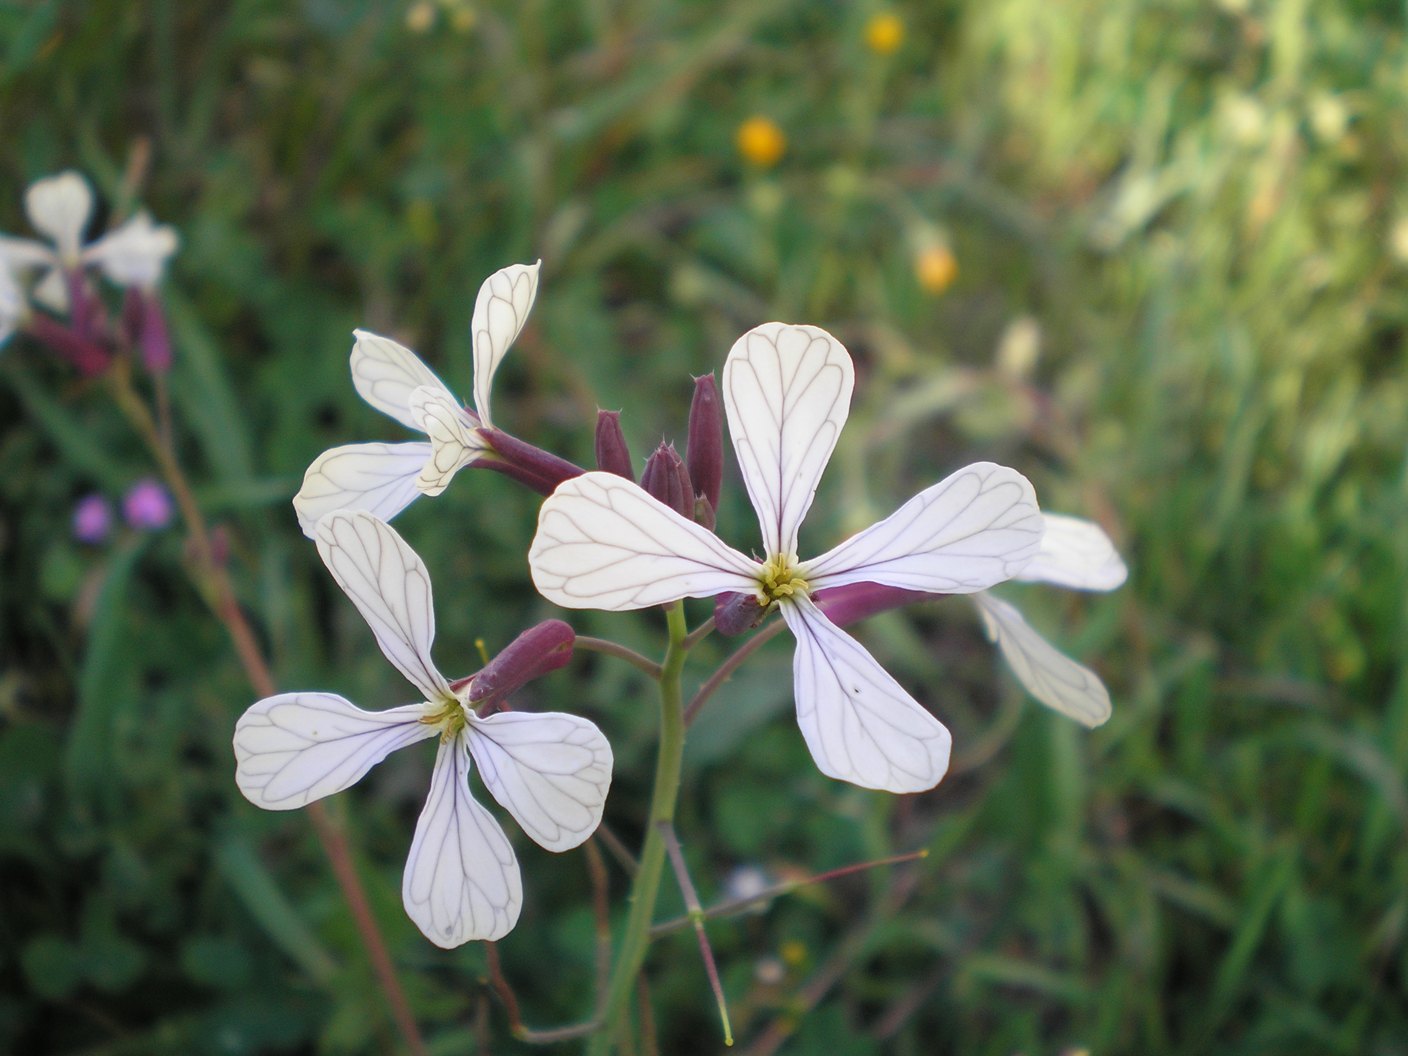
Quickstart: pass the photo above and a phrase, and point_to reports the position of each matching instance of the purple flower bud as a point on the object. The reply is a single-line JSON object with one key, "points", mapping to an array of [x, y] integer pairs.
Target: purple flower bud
{"points": [[612, 454], [736, 613], [89, 357], [857, 601], [534, 653], [147, 505], [92, 519], [705, 448], [152, 336], [530, 466], [665, 478]]}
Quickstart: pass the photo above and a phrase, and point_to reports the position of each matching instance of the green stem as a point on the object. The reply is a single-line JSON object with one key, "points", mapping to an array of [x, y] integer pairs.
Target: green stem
{"points": [[646, 885]]}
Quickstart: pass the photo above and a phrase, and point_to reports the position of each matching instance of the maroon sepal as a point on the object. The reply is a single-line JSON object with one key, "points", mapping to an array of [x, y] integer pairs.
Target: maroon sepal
{"points": [[857, 601], [531, 466], [534, 653], [736, 613], [666, 478], [704, 450], [612, 454], [89, 357]]}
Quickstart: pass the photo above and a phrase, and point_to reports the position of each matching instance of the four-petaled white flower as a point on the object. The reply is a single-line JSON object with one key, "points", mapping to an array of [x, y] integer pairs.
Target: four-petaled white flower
{"points": [[551, 771], [1075, 554], [59, 207], [384, 478], [603, 543]]}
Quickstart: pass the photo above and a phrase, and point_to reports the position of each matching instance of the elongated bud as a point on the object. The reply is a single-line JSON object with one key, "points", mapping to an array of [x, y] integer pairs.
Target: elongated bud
{"points": [[665, 478], [152, 336], [704, 451], [856, 601], [530, 466], [736, 613], [612, 454], [534, 653]]}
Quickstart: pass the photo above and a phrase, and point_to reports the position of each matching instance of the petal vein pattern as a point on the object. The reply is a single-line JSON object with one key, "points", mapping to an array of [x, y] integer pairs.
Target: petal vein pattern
{"points": [[462, 880], [787, 393], [860, 725], [603, 543], [1075, 553], [386, 372], [500, 310], [975, 528], [549, 770], [390, 586], [297, 747], [454, 437], [1047, 674], [377, 478]]}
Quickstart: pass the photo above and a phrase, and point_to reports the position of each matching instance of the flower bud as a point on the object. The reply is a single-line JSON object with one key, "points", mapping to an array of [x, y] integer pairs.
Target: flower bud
{"points": [[534, 653], [152, 336], [90, 358], [857, 601], [705, 449], [530, 466], [736, 613], [665, 478], [612, 454]]}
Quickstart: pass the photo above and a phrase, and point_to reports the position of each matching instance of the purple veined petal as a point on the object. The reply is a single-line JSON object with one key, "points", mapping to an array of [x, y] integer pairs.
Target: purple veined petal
{"points": [[297, 747], [787, 393], [603, 543], [1046, 673], [454, 437], [1076, 554], [500, 311], [377, 478], [975, 528], [390, 586], [859, 723], [551, 771], [385, 374], [461, 880]]}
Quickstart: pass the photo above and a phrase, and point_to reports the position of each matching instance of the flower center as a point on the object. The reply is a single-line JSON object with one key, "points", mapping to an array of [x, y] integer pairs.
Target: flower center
{"points": [[779, 579], [447, 714]]}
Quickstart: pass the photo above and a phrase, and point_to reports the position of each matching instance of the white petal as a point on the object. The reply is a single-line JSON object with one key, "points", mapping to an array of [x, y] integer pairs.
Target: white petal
{"points": [[860, 725], [1052, 677], [12, 306], [134, 254], [500, 310], [386, 373], [390, 586], [454, 437], [52, 291], [549, 770], [787, 392], [59, 207], [1076, 554], [603, 543], [26, 253], [461, 880], [377, 478], [298, 747], [978, 527]]}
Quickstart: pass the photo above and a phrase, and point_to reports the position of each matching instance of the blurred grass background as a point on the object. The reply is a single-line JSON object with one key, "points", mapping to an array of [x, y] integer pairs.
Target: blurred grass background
{"points": [[1154, 254]]}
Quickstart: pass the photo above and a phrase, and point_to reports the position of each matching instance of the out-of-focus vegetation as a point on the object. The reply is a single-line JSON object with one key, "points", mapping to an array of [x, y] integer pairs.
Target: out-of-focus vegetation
{"points": [[1153, 254]]}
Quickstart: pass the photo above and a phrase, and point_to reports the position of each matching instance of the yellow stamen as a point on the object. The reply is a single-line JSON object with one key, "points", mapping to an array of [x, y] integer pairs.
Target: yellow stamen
{"points": [[779, 579], [448, 716]]}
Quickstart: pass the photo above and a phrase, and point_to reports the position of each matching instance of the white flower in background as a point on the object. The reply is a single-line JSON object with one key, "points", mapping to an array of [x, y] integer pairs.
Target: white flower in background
{"points": [[603, 543], [1079, 555], [12, 303], [384, 478], [59, 208], [551, 771]]}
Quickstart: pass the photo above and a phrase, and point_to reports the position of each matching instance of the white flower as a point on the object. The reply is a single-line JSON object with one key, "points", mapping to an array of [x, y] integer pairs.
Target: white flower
{"points": [[134, 254], [385, 478], [1079, 555], [12, 303], [551, 771], [604, 543]]}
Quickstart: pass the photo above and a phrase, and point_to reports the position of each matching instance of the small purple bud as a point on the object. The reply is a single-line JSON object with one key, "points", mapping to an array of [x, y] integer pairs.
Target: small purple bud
{"points": [[857, 601], [92, 519], [665, 478], [736, 613], [530, 466], [534, 653], [152, 336], [705, 449], [147, 505], [612, 454]]}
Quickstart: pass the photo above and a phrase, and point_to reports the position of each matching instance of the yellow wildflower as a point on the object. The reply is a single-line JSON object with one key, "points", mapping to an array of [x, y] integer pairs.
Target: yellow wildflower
{"points": [[761, 142], [884, 34], [935, 267]]}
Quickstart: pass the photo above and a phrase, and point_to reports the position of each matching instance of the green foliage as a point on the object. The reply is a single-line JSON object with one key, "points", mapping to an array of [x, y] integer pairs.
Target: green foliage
{"points": [[1182, 247]]}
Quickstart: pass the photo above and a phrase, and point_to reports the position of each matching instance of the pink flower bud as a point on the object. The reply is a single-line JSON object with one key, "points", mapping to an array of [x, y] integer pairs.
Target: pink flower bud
{"points": [[705, 448], [92, 519], [612, 454], [665, 478], [147, 505], [530, 466], [736, 613], [534, 653]]}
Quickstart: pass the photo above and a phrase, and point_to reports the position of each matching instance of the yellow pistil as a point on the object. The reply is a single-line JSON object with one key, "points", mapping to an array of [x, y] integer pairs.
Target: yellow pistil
{"points": [[448, 715], [779, 579]]}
